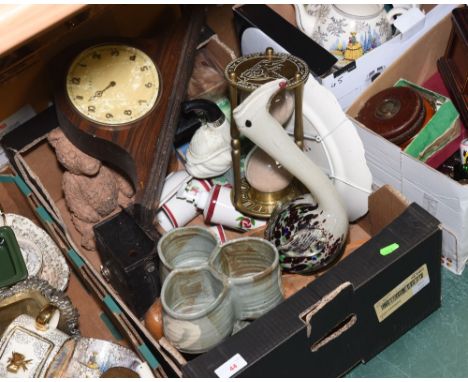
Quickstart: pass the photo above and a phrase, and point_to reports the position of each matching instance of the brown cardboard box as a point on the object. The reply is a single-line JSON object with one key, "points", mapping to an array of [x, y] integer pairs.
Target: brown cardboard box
{"points": [[346, 306], [92, 321], [388, 221], [437, 193]]}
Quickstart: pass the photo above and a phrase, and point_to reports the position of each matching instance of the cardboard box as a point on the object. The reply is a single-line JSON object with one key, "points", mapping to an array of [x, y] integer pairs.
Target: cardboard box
{"points": [[349, 313], [337, 319], [367, 300], [257, 33], [437, 193], [96, 320]]}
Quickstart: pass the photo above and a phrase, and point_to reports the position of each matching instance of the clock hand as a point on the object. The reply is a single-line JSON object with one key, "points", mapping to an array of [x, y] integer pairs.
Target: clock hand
{"points": [[100, 92]]}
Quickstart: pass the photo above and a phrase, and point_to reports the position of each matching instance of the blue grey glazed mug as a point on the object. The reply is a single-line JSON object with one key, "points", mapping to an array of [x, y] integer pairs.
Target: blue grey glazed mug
{"points": [[185, 247], [197, 309], [201, 304], [251, 266]]}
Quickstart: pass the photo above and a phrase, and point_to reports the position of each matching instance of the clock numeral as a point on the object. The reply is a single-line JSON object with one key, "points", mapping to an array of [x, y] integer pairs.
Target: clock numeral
{"points": [[132, 58], [142, 101], [128, 112], [109, 115], [144, 68], [79, 97], [96, 56], [149, 85], [114, 52], [91, 109], [76, 80]]}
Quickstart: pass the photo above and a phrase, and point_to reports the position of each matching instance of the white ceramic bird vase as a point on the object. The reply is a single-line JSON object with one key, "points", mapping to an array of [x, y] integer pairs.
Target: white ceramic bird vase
{"points": [[309, 231]]}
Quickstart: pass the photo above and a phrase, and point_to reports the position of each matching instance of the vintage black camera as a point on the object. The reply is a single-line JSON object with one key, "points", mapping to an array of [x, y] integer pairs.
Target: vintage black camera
{"points": [[130, 261]]}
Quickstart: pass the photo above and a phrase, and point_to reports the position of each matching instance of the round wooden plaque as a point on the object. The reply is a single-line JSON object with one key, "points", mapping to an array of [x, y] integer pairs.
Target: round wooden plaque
{"points": [[395, 113]]}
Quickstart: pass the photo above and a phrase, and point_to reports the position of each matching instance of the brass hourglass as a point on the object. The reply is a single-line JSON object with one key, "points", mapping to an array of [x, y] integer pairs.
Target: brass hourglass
{"points": [[245, 74]]}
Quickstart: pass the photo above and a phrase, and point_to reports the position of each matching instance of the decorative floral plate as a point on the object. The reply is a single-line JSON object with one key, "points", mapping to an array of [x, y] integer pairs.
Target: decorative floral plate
{"points": [[38, 247], [32, 257], [93, 357]]}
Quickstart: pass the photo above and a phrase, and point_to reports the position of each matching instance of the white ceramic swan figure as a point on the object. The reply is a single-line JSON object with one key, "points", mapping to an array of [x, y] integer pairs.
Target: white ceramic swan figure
{"points": [[310, 231]]}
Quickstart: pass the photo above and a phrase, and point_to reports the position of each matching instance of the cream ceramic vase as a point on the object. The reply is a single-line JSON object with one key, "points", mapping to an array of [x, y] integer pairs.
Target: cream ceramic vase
{"points": [[335, 26]]}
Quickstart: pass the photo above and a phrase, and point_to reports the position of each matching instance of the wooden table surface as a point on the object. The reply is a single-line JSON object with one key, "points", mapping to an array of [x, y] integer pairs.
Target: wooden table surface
{"points": [[21, 22]]}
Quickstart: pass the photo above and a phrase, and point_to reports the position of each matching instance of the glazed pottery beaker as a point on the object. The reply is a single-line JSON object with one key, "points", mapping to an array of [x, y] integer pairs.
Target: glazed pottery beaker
{"points": [[185, 247], [252, 268], [197, 309]]}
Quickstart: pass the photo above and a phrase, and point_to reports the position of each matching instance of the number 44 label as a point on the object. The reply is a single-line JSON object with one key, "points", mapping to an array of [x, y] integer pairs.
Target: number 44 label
{"points": [[231, 366]]}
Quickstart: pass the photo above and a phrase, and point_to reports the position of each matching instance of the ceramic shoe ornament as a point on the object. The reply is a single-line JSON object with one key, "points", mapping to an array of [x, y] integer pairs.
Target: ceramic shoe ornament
{"points": [[309, 231], [209, 152]]}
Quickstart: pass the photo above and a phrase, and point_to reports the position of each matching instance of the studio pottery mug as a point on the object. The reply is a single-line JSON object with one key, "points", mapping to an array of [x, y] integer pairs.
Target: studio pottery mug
{"points": [[185, 247], [342, 27], [197, 309], [252, 268], [201, 305]]}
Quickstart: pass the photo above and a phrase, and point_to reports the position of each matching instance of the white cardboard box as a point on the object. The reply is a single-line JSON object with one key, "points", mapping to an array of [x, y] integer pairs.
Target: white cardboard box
{"points": [[348, 85], [445, 198]]}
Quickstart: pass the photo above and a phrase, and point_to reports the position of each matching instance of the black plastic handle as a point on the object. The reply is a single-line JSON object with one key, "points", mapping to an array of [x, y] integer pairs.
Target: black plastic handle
{"points": [[209, 109]]}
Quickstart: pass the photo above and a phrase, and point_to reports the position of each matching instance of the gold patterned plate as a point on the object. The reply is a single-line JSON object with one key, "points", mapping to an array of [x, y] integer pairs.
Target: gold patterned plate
{"points": [[38, 246], [93, 358]]}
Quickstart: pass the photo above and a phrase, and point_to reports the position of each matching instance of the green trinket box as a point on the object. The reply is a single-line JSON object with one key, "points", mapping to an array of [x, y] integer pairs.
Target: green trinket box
{"points": [[12, 266]]}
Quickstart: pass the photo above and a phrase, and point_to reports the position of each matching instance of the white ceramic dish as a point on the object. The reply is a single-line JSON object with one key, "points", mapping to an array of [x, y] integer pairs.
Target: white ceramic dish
{"points": [[333, 143], [92, 357]]}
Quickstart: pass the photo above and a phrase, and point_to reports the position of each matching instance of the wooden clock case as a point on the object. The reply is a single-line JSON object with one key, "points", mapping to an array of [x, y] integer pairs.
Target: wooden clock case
{"points": [[141, 149]]}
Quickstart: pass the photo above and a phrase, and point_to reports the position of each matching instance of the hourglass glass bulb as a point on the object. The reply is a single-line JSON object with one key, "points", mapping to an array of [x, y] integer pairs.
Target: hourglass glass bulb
{"points": [[265, 174], [282, 106]]}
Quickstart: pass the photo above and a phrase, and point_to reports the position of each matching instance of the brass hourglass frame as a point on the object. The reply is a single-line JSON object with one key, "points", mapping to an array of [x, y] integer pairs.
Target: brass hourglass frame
{"points": [[247, 73]]}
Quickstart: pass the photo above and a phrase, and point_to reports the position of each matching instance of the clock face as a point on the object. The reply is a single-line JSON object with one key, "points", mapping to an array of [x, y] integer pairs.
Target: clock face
{"points": [[113, 84]]}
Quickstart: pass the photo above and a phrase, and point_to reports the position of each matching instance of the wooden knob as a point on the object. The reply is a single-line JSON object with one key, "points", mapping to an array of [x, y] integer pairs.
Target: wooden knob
{"points": [[153, 320]]}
